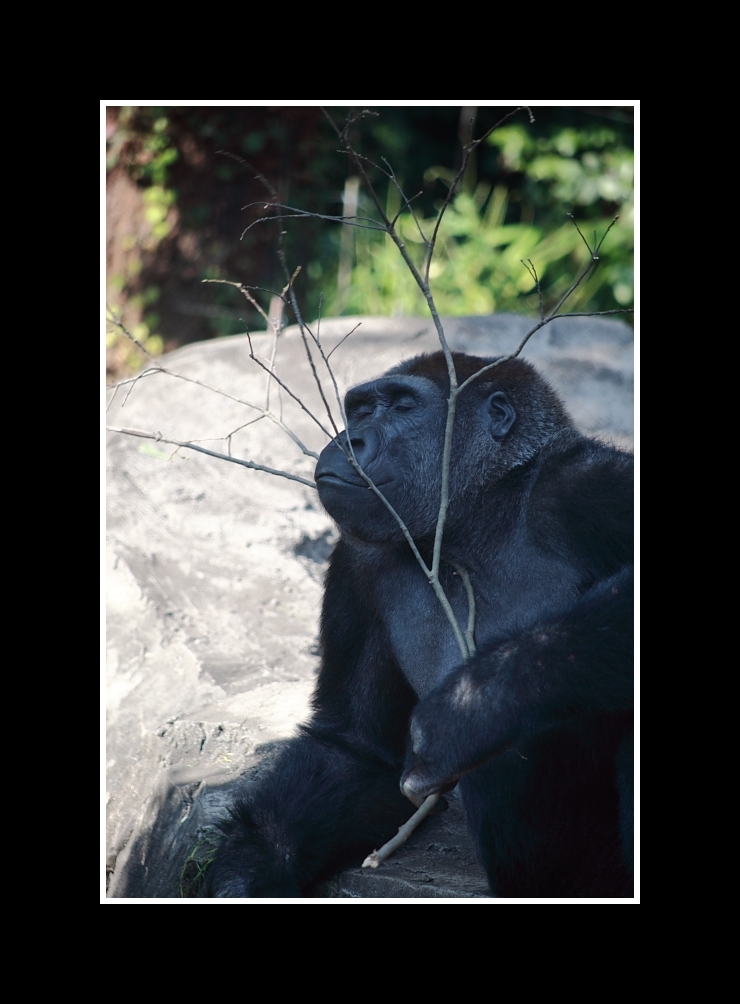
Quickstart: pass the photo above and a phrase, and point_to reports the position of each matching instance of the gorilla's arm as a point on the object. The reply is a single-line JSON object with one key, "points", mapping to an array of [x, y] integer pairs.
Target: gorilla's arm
{"points": [[322, 808], [333, 794], [553, 673]]}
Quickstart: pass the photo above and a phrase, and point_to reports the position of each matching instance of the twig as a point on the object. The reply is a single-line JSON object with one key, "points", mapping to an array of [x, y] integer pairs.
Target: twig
{"points": [[244, 290], [119, 324], [296, 214], [273, 418], [404, 832], [158, 438], [596, 313], [264, 413], [467, 151], [470, 630], [555, 312], [341, 340], [529, 265], [287, 389], [391, 175], [179, 376], [423, 285], [303, 328]]}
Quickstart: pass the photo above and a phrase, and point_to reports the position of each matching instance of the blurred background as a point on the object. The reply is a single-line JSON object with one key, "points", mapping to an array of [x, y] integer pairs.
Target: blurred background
{"points": [[178, 179]]}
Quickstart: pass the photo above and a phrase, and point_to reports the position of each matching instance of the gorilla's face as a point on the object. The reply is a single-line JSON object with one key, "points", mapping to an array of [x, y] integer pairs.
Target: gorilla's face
{"points": [[396, 428]]}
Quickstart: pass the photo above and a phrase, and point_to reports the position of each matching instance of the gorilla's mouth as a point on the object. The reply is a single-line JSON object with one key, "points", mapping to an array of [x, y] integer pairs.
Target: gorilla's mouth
{"points": [[334, 479]]}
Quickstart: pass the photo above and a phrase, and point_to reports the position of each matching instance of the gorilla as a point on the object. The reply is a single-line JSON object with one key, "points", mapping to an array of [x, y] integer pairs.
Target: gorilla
{"points": [[537, 726]]}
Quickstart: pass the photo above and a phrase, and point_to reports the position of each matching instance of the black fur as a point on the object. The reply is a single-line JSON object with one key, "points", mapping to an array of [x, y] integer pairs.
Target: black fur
{"points": [[537, 726]]}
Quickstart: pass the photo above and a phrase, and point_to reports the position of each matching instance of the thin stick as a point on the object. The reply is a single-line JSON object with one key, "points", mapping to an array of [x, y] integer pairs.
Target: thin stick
{"points": [[467, 151], [216, 390], [115, 319], [404, 832], [351, 221], [529, 265], [470, 630], [303, 328], [287, 389], [211, 453], [342, 340], [555, 312]]}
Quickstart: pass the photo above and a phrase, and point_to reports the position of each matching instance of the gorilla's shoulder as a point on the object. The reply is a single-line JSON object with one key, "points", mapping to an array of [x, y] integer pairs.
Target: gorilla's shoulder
{"points": [[582, 501]]}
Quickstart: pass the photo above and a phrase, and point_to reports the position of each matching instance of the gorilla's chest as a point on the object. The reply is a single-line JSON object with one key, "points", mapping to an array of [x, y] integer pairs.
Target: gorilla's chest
{"points": [[518, 589]]}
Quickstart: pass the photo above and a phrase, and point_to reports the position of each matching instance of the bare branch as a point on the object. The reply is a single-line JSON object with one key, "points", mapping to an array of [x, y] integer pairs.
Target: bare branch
{"points": [[342, 340], [318, 320], [433, 574], [444, 501], [596, 313], [555, 312], [404, 832], [158, 438], [115, 319], [287, 389], [591, 250], [303, 327], [179, 376], [470, 630], [264, 413], [594, 259], [244, 285], [391, 231], [244, 290], [296, 214], [281, 425], [467, 151], [529, 265], [597, 247], [257, 174], [365, 113], [277, 324], [406, 202], [532, 331]]}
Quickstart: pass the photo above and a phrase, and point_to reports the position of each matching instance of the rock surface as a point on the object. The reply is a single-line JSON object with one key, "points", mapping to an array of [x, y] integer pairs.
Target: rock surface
{"points": [[214, 577]]}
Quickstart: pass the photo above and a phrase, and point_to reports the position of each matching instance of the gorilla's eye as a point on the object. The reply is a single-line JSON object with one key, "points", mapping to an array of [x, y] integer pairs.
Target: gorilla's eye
{"points": [[404, 404]]}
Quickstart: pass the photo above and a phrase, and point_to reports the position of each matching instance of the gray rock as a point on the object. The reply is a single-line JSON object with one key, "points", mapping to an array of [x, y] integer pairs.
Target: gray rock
{"points": [[214, 577]]}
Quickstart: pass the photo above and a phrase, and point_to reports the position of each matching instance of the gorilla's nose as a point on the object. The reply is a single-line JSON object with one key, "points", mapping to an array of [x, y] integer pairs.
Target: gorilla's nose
{"points": [[366, 446]]}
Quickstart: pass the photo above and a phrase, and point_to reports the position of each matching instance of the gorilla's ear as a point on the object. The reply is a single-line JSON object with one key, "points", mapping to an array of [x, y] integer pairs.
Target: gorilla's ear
{"points": [[500, 414]]}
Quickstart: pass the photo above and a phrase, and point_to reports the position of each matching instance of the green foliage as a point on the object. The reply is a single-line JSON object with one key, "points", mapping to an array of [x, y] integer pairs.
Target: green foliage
{"points": [[158, 200], [511, 205], [127, 352], [487, 233], [197, 863], [150, 167]]}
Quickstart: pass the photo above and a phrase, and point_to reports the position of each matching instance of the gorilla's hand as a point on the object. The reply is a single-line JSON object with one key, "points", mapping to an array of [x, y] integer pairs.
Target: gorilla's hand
{"points": [[422, 779], [437, 758], [457, 727]]}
